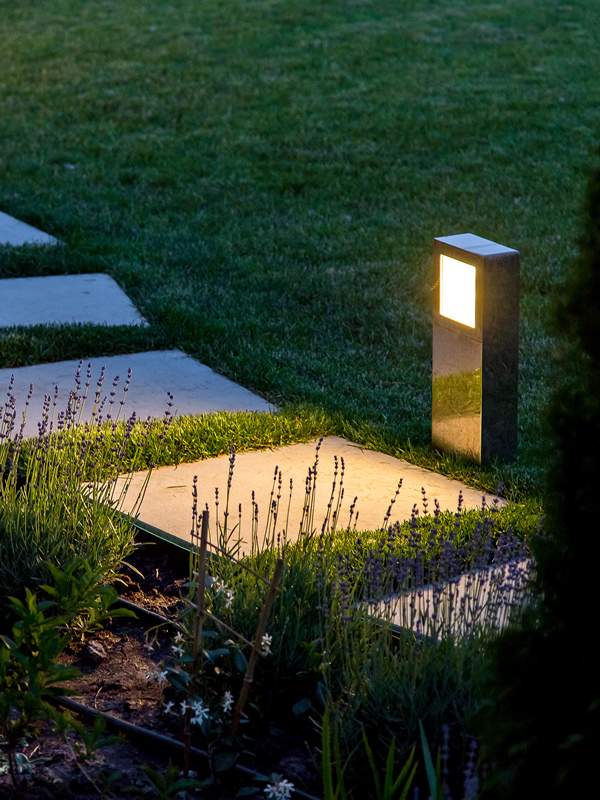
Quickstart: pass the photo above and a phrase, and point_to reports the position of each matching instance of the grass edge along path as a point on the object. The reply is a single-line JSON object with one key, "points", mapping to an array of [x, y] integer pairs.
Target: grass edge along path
{"points": [[198, 437], [294, 422]]}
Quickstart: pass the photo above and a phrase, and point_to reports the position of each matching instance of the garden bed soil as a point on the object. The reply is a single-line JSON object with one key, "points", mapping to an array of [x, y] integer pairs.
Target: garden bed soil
{"points": [[115, 663]]}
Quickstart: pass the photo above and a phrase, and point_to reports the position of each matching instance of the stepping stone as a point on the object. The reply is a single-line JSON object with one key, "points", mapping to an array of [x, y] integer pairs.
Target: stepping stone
{"points": [[485, 596], [16, 233], [195, 387], [370, 476], [94, 298]]}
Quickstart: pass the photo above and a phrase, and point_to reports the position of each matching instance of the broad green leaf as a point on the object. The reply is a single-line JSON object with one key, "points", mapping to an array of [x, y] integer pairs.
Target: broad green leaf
{"points": [[225, 761], [240, 661], [302, 706]]}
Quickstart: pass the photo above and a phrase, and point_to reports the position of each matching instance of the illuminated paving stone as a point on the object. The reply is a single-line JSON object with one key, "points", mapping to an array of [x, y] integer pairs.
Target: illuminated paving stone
{"points": [[370, 476]]}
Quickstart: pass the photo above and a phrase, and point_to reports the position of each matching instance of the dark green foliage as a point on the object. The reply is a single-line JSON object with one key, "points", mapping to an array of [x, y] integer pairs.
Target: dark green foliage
{"points": [[169, 784], [30, 675], [83, 598], [545, 724]]}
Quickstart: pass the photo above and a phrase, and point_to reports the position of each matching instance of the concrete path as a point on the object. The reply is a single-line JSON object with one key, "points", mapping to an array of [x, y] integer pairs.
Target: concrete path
{"points": [[195, 387], [17, 233], [370, 476], [94, 298]]}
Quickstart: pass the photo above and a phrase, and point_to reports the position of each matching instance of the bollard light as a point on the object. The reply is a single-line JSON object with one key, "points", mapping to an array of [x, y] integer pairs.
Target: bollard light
{"points": [[475, 347]]}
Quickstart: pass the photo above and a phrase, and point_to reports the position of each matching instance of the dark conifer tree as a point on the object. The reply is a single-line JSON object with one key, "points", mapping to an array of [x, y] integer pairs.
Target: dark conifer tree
{"points": [[542, 725]]}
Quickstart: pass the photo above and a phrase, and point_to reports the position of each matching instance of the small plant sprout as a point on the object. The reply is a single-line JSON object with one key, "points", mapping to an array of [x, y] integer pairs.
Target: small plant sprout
{"points": [[280, 789]]}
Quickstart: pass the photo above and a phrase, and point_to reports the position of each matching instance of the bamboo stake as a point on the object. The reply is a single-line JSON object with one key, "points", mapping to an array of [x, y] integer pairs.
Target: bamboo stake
{"points": [[200, 603], [260, 632], [240, 563], [197, 651], [222, 624]]}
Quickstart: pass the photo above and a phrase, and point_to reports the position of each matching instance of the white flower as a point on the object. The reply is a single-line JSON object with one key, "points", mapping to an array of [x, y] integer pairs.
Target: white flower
{"points": [[177, 649], [178, 637], [168, 707], [184, 707], [155, 675], [280, 790], [265, 644], [227, 701], [228, 598], [200, 712]]}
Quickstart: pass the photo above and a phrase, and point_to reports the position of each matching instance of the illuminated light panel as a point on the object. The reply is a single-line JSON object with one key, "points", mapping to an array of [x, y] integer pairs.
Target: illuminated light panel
{"points": [[457, 291]]}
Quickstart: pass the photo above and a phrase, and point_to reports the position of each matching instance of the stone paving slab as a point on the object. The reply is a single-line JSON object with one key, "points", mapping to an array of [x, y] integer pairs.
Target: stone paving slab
{"points": [[371, 476], [17, 233], [485, 597], [195, 387], [94, 298]]}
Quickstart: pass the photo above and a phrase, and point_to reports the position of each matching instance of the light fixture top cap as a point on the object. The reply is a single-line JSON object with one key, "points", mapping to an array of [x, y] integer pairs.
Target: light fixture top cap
{"points": [[475, 244]]}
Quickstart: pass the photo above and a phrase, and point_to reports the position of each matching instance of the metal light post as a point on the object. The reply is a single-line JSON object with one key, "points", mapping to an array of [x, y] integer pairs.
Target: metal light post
{"points": [[475, 347]]}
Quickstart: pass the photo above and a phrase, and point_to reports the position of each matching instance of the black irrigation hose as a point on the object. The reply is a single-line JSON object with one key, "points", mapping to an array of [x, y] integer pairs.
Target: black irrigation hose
{"points": [[156, 738], [145, 612]]}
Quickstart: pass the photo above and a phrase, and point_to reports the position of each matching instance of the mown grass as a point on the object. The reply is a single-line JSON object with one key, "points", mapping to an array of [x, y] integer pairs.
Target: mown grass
{"points": [[37, 344], [264, 180]]}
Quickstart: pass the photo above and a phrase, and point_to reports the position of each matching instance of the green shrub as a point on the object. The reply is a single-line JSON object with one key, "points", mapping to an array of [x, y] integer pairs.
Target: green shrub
{"points": [[30, 676], [543, 725]]}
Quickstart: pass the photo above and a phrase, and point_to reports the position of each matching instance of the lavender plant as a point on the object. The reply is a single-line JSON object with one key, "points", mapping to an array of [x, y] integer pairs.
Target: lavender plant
{"points": [[335, 642], [403, 628], [60, 497], [439, 582]]}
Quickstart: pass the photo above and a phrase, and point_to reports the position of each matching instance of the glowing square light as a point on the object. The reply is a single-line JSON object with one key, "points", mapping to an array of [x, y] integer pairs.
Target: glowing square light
{"points": [[475, 348], [457, 290]]}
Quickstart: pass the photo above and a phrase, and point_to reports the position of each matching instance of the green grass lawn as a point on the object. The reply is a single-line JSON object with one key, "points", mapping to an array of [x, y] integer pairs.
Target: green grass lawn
{"points": [[264, 180]]}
